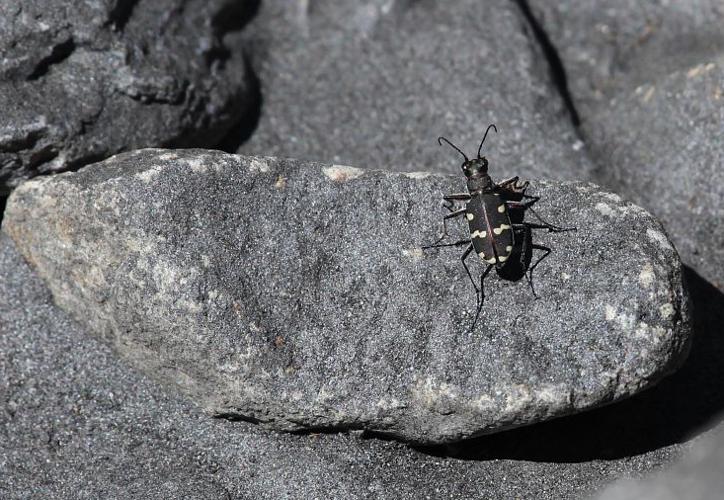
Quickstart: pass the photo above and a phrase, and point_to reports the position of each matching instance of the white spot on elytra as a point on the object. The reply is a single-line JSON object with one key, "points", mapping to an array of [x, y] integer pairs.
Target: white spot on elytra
{"points": [[469, 216], [503, 227], [502, 258], [660, 238], [342, 173], [478, 234], [509, 249], [489, 261], [501, 208]]}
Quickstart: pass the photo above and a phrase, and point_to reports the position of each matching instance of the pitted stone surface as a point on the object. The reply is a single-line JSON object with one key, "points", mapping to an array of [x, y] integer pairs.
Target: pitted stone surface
{"points": [[375, 82], [79, 83], [646, 79], [296, 294]]}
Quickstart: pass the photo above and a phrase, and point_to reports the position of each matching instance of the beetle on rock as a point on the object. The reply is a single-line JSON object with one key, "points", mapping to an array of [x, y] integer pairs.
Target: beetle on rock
{"points": [[495, 213]]}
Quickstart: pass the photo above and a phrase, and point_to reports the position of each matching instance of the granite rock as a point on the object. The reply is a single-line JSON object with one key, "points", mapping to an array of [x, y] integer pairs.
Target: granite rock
{"points": [[81, 82], [76, 421], [646, 79], [296, 294], [375, 82]]}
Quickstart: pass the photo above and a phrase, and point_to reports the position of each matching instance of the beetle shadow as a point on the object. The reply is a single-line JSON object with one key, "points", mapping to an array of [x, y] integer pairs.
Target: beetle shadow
{"points": [[680, 406]]}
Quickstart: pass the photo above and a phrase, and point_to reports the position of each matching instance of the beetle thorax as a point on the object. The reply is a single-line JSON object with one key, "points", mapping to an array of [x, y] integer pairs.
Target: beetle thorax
{"points": [[481, 183], [476, 170]]}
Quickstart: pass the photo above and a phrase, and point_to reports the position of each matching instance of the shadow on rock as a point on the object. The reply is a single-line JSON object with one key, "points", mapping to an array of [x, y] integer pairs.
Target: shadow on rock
{"points": [[677, 408], [3, 202]]}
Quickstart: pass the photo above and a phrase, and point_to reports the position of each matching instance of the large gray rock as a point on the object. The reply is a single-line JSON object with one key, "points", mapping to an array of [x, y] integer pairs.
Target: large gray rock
{"points": [[646, 78], [79, 82], [375, 82], [698, 477], [77, 422], [296, 294]]}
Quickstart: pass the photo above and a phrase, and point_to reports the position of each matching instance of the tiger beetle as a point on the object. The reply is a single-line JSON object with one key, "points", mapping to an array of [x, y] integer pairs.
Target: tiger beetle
{"points": [[498, 233]]}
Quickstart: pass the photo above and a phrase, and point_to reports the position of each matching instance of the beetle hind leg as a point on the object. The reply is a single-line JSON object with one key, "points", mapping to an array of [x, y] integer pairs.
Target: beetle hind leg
{"points": [[529, 274], [547, 225], [480, 295]]}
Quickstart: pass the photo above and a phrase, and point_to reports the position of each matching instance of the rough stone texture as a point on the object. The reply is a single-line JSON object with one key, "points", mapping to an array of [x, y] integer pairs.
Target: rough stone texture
{"points": [[296, 295], [79, 82], [646, 78], [375, 82], [76, 422], [699, 477]]}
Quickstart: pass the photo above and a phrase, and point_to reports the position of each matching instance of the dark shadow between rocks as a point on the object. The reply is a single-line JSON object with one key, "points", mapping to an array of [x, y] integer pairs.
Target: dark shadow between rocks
{"points": [[234, 17], [682, 405], [3, 202], [557, 70], [241, 131]]}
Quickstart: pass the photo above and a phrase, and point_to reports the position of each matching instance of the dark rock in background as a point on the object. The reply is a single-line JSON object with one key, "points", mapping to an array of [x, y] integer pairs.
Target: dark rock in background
{"points": [[647, 81], [375, 82], [296, 294], [81, 82]]}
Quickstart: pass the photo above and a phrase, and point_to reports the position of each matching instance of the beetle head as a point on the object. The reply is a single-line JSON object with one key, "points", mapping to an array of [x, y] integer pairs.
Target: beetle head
{"points": [[476, 170], [476, 167]]}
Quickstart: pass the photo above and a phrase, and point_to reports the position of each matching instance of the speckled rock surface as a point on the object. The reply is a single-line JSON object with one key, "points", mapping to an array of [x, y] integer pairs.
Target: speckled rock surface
{"points": [[646, 79], [698, 477], [76, 421], [79, 82], [296, 295], [375, 82]]}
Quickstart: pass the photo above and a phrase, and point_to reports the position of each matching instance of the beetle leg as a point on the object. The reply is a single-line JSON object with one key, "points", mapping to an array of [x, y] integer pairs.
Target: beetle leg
{"points": [[529, 274], [452, 215], [462, 259], [547, 225], [449, 200], [481, 294], [440, 245]]}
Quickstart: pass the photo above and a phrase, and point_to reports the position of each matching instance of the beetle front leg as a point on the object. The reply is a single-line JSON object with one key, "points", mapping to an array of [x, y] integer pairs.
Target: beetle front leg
{"points": [[513, 186], [449, 200]]}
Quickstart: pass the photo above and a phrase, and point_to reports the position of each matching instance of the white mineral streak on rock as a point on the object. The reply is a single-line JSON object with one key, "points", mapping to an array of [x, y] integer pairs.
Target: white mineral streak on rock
{"points": [[647, 276], [666, 311], [415, 254], [417, 175], [430, 391], [659, 237], [257, 165], [605, 209], [342, 173]]}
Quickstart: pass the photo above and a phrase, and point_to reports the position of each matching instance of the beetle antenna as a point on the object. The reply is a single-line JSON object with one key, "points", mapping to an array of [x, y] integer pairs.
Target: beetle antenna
{"points": [[439, 139], [486, 135]]}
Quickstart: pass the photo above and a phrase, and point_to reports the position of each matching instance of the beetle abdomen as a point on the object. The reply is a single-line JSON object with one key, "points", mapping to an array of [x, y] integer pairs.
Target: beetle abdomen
{"points": [[490, 228]]}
